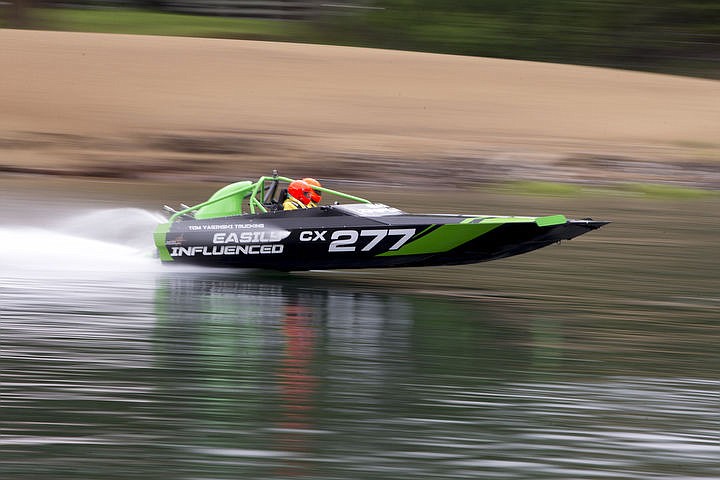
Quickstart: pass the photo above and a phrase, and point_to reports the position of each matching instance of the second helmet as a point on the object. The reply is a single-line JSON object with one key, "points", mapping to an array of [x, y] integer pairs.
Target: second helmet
{"points": [[316, 195]]}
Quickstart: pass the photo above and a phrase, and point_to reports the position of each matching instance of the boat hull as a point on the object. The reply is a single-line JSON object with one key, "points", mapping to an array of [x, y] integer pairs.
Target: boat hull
{"points": [[330, 238]]}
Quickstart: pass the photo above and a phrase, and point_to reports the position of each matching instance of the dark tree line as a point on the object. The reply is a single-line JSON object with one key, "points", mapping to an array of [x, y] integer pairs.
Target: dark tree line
{"points": [[624, 33], [681, 36]]}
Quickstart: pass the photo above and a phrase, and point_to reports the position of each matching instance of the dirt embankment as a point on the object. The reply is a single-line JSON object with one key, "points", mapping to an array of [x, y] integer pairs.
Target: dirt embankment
{"points": [[159, 107]]}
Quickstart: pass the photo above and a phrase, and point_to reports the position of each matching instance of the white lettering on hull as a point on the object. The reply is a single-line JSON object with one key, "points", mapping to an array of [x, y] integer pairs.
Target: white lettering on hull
{"points": [[265, 249], [258, 236]]}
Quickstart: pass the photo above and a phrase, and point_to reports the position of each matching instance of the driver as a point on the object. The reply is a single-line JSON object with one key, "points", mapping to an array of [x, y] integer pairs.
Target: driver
{"points": [[315, 195], [298, 197]]}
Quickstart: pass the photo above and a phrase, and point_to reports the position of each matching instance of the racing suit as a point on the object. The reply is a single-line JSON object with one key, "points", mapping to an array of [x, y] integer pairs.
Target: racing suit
{"points": [[291, 203]]}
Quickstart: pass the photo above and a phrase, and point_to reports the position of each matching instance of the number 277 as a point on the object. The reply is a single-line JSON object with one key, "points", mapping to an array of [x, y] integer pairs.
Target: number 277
{"points": [[345, 240]]}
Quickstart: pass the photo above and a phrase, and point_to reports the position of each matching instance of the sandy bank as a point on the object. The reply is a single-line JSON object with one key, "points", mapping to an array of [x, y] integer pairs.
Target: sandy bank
{"points": [[121, 105]]}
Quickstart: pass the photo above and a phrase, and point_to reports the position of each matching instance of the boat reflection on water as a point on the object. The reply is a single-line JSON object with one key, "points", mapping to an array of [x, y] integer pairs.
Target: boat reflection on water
{"points": [[282, 371], [297, 384], [207, 375]]}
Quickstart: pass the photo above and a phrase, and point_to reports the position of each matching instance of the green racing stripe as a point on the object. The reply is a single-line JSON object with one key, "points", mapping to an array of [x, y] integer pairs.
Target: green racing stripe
{"points": [[448, 237], [551, 220], [443, 239]]}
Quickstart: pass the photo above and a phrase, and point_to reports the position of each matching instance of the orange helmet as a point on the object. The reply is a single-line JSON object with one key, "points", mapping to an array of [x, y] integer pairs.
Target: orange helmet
{"points": [[316, 195], [300, 190]]}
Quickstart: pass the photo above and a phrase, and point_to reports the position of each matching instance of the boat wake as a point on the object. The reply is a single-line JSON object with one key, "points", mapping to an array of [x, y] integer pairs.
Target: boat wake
{"points": [[111, 240]]}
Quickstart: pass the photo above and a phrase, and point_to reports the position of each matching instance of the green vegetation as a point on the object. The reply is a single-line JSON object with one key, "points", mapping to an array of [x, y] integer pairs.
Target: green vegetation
{"points": [[644, 34], [142, 22], [656, 190], [655, 35], [649, 190]]}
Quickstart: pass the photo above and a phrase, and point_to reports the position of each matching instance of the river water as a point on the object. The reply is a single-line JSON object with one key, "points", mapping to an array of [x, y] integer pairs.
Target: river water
{"points": [[597, 359]]}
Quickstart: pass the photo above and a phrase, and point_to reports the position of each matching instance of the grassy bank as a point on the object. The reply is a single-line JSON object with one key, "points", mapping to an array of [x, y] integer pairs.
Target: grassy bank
{"points": [[626, 189], [140, 22]]}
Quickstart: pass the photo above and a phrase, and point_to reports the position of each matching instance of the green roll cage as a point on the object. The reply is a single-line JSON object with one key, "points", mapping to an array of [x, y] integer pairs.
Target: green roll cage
{"points": [[267, 186]]}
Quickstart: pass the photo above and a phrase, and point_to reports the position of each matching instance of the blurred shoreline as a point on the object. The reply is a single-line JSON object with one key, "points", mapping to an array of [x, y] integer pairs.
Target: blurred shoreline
{"points": [[218, 156], [191, 109]]}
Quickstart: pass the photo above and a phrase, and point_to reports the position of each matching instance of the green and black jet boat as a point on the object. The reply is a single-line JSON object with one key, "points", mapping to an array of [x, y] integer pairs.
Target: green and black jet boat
{"points": [[243, 225]]}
